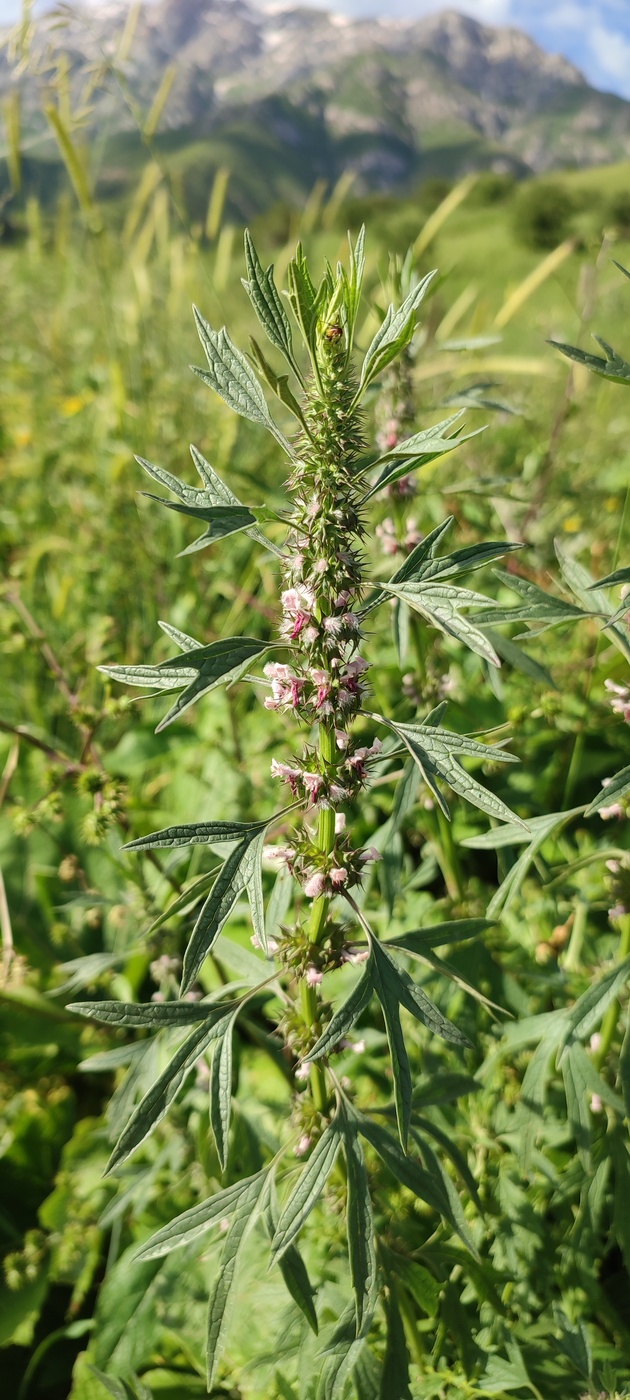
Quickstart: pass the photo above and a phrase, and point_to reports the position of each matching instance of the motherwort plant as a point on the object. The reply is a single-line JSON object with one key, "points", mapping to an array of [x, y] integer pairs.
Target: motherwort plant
{"points": [[315, 673]]}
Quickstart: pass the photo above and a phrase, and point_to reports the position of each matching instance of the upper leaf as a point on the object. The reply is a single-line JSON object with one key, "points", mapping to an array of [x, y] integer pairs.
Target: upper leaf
{"points": [[193, 1223], [233, 379], [310, 1185], [394, 333], [229, 884], [267, 304], [360, 1224], [435, 749], [155, 1104], [610, 366]]}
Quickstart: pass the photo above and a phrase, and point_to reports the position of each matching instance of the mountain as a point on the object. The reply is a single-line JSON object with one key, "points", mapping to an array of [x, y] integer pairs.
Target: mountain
{"points": [[287, 96]]}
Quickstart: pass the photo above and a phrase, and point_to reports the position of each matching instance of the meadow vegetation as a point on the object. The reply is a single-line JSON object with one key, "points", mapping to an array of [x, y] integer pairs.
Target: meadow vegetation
{"points": [[528, 1128]]}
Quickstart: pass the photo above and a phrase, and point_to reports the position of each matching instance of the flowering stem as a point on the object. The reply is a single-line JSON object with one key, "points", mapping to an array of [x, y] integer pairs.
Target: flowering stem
{"points": [[325, 836]]}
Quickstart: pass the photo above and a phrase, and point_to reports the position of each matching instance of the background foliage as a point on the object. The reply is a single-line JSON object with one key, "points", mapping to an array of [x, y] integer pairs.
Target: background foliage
{"points": [[97, 334]]}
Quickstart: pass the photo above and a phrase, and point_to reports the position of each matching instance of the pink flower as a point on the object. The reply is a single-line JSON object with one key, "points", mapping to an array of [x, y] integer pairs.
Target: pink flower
{"points": [[614, 811], [596, 1103], [595, 1042], [354, 668], [341, 739], [340, 822], [338, 876], [314, 976], [358, 1047], [412, 534], [315, 885], [337, 793], [386, 533], [312, 782], [310, 634], [303, 1145], [370, 853], [617, 911], [620, 704], [286, 773], [302, 1071]]}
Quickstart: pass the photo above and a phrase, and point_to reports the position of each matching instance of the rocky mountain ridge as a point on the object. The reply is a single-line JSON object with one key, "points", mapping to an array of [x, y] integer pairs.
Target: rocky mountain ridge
{"points": [[387, 99]]}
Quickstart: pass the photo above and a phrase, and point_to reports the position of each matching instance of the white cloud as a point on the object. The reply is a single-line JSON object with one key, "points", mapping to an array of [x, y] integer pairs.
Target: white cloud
{"points": [[612, 52]]}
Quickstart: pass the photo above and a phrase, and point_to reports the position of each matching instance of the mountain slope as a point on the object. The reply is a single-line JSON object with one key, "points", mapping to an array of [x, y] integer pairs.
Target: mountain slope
{"points": [[391, 101]]}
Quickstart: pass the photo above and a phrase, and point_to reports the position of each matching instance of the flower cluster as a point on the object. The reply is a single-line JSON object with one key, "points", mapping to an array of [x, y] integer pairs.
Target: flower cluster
{"points": [[620, 699]]}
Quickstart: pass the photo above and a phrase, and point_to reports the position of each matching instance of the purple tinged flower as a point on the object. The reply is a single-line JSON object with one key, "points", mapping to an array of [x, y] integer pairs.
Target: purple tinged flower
{"points": [[370, 853], [340, 822], [314, 976], [313, 782], [338, 876], [596, 1104], [614, 812], [315, 885], [595, 1041], [303, 1145], [341, 739]]}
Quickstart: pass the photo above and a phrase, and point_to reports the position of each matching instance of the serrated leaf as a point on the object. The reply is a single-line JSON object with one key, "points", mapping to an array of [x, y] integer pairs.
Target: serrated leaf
{"points": [[352, 286], [347, 1014], [232, 379], [584, 1017], [306, 1193], [222, 520], [232, 879], [292, 1266], [393, 334], [366, 1375], [218, 494], [405, 1168], [395, 1377], [387, 990], [194, 1223], [537, 606], [624, 1069], [456, 931], [145, 1015], [254, 889], [442, 604], [156, 1103], [430, 445], [222, 1288], [411, 996], [582, 584], [519, 659], [267, 304], [220, 663], [575, 1344], [221, 1090], [435, 749], [421, 1284], [439, 1173], [279, 385], [279, 903], [360, 1226], [610, 366], [618, 576], [150, 677], [196, 834], [615, 788], [181, 639]]}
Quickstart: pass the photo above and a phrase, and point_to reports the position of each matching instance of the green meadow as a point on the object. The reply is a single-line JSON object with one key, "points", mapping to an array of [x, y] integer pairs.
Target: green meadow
{"points": [[97, 338]]}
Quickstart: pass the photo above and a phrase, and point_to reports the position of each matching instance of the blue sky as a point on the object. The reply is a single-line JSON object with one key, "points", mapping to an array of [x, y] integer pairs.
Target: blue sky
{"points": [[595, 34]]}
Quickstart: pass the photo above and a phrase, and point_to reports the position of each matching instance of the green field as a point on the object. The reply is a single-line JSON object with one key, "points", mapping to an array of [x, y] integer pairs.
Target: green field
{"points": [[531, 1151]]}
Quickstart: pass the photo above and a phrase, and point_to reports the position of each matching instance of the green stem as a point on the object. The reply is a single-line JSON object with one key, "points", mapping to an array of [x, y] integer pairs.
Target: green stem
{"points": [[448, 858], [574, 951], [325, 837], [609, 1023], [317, 922]]}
